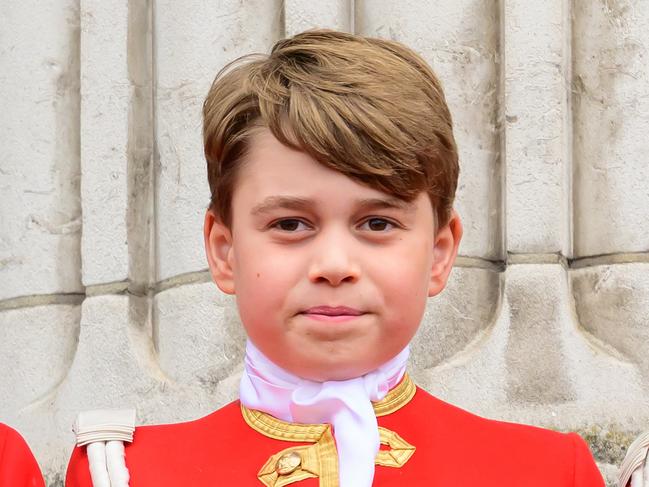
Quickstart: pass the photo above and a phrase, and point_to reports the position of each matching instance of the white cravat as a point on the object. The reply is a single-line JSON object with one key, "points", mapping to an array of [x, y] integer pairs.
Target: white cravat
{"points": [[346, 404]]}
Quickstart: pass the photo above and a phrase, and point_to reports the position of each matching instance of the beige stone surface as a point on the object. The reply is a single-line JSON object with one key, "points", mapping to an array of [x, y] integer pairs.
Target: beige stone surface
{"points": [[40, 210], [200, 339], [458, 318], [538, 362], [611, 114], [37, 345], [536, 69], [301, 15], [105, 105], [611, 306]]}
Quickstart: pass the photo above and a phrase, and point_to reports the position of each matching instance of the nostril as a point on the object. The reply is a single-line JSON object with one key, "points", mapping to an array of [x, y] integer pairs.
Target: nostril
{"points": [[334, 273], [335, 280]]}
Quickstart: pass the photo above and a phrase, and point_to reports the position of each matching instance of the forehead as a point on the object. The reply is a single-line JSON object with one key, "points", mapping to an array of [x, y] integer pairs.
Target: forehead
{"points": [[271, 168], [274, 176]]}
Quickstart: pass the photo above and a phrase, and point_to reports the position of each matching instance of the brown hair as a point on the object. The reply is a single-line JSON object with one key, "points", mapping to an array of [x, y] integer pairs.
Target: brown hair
{"points": [[368, 108]]}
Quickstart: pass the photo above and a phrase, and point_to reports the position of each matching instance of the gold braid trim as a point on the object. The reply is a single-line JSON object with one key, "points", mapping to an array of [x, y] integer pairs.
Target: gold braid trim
{"points": [[400, 450], [281, 430], [321, 458], [397, 398]]}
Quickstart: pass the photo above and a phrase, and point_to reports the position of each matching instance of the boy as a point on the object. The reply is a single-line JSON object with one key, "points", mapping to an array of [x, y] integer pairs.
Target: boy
{"points": [[333, 168]]}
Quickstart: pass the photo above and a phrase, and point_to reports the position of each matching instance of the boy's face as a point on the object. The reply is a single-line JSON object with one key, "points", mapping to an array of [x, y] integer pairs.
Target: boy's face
{"points": [[331, 277]]}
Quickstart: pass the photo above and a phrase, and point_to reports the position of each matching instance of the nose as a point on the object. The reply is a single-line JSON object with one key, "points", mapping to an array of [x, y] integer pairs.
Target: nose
{"points": [[333, 261]]}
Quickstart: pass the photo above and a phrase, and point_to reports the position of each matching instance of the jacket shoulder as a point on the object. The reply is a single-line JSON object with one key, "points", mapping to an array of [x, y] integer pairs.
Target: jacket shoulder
{"points": [[151, 443], [18, 467], [501, 448], [451, 417]]}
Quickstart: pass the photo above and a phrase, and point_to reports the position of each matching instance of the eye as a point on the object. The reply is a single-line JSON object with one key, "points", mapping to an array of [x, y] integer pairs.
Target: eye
{"points": [[289, 225], [378, 224]]}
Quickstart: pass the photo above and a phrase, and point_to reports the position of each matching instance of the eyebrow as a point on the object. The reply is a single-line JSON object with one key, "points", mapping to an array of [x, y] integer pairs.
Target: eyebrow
{"points": [[386, 204], [272, 203], [277, 202]]}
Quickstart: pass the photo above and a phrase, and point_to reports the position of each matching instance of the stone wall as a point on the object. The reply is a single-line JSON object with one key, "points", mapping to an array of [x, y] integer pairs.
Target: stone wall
{"points": [[105, 299]]}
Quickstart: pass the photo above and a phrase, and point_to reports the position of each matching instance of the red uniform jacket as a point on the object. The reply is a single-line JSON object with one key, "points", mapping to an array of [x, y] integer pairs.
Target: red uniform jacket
{"points": [[18, 467], [425, 442]]}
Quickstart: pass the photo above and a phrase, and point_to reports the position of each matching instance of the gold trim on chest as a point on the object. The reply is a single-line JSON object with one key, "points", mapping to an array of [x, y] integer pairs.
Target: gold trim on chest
{"points": [[320, 459]]}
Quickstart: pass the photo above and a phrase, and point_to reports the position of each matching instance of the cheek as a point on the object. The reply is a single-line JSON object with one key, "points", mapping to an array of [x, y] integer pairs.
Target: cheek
{"points": [[265, 275], [404, 284], [406, 272]]}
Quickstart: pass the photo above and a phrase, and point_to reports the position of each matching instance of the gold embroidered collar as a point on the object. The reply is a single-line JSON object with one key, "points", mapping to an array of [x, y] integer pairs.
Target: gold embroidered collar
{"points": [[320, 459]]}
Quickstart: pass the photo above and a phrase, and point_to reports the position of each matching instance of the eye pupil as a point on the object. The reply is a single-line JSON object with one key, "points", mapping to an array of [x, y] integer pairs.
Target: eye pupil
{"points": [[377, 224], [289, 225]]}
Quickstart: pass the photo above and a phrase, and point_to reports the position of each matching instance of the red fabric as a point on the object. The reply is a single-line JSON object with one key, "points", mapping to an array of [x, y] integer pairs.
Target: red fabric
{"points": [[18, 467], [454, 448]]}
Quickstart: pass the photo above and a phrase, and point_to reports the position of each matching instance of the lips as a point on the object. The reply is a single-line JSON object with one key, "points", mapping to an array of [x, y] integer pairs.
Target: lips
{"points": [[333, 311]]}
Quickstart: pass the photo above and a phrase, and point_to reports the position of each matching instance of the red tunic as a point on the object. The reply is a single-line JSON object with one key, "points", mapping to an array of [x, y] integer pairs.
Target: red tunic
{"points": [[18, 467], [452, 447]]}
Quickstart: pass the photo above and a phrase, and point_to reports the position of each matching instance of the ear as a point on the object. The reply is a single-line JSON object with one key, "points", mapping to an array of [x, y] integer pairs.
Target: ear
{"points": [[218, 249], [447, 242]]}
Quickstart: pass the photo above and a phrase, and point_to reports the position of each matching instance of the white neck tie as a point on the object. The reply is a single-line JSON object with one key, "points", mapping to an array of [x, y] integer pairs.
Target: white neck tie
{"points": [[346, 404]]}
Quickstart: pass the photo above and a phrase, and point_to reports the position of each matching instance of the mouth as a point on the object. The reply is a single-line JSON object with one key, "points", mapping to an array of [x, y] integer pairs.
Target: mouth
{"points": [[332, 313]]}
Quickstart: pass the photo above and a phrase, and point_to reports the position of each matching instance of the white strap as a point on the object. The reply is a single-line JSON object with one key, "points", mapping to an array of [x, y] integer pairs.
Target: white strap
{"points": [[104, 433], [97, 463], [107, 464], [116, 464], [634, 466]]}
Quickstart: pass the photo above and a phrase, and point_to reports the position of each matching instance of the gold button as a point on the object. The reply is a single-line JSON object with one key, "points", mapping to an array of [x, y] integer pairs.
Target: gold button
{"points": [[288, 463]]}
